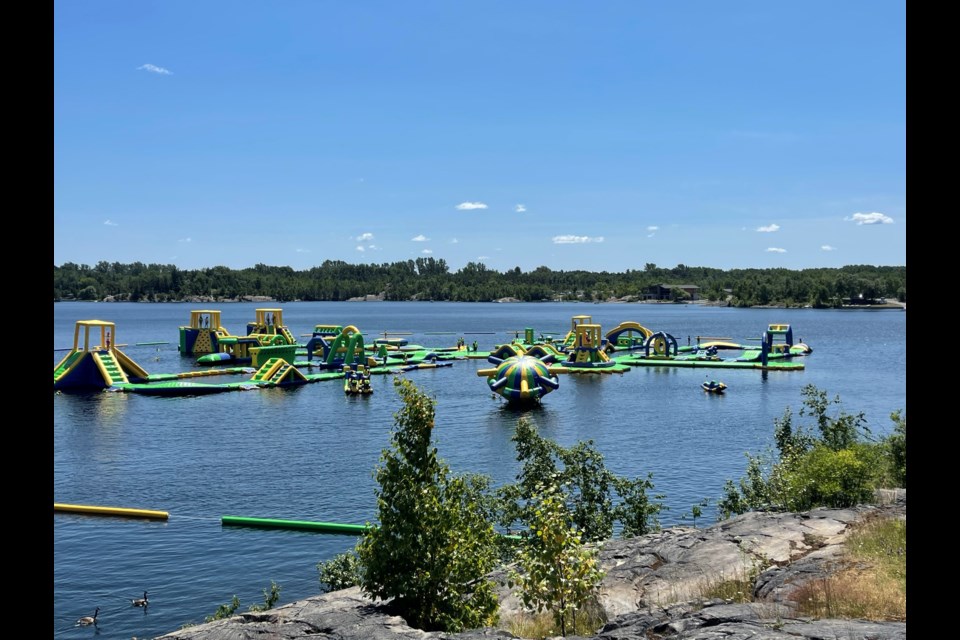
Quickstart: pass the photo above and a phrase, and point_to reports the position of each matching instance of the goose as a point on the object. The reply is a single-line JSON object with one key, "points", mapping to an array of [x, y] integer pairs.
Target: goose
{"points": [[140, 602], [86, 621]]}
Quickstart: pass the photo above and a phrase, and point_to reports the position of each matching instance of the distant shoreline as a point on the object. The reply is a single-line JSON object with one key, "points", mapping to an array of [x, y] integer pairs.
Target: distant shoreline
{"points": [[887, 306]]}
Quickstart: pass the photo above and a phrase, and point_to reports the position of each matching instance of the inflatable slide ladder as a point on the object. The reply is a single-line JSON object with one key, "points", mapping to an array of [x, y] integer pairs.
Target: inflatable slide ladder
{"points": [[277, 371], [109, 367], [285, 332]]}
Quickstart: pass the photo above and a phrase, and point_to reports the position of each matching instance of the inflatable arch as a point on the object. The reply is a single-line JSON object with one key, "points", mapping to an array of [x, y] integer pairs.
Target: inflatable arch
{"points": [[661, 344]]}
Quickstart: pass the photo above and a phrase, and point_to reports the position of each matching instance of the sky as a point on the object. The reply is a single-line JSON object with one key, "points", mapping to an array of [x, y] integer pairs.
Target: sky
{"points": [[601, 136]]}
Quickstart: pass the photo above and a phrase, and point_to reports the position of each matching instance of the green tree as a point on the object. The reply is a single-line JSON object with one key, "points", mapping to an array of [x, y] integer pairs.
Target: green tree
{"points": [[558, 572], [595, 497], [433, 545]]}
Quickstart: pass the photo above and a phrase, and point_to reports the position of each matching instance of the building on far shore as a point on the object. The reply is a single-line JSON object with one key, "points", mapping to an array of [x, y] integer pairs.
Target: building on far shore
{"points": [[666, 291]]}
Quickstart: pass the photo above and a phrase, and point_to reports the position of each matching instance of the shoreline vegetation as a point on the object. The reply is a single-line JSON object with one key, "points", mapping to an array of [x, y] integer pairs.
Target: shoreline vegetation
{"points": [[880, 306], [431, 280]]}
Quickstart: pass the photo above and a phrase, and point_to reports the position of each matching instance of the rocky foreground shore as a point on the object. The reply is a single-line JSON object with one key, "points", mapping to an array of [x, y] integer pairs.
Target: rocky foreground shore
{"points": [[652, 589]]}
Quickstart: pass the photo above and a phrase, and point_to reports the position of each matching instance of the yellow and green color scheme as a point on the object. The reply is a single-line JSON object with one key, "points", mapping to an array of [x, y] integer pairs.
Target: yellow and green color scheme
{"points": [[586, 350], [95, 362], [203, 334]]}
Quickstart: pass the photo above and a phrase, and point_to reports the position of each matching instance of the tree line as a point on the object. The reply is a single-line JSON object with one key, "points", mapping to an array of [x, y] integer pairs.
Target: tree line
{"points": [[432, 279]]}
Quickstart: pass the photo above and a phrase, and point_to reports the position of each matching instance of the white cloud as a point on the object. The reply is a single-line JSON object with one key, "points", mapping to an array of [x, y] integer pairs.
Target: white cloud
{"points": [[520, 208], [650, 235], [454, 241], [364, 237], [303, 250], [361, 248], [110, 223], [427, 251], [776, 250], [420, 238], [152, 68], [770, 228], [870, 218], [653, 228], [483, 257], [372, 247], [466, 206], [570, 239], [187, 239], [827, 247]]}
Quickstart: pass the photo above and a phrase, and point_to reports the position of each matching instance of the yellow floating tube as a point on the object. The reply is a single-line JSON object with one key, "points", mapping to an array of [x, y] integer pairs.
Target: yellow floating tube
{"points": [[110, 511]]}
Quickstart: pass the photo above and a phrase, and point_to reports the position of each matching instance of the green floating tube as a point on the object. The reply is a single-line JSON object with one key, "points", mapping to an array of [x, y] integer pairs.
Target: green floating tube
{"points": [[324, 527], [272, 523]]}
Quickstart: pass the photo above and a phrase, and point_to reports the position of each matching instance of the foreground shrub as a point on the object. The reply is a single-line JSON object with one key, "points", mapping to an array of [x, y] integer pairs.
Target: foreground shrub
{"points": [[835, 463], [559, 574], [340, 572], [433, 544]]}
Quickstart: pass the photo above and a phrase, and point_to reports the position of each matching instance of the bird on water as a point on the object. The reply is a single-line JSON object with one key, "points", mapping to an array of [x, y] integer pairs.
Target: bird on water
{"points": [[86, 621], [140, 602]]}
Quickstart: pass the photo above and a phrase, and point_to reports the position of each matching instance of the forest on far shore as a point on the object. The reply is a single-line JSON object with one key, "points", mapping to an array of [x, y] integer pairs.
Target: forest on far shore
{"points": [[432, 279]]}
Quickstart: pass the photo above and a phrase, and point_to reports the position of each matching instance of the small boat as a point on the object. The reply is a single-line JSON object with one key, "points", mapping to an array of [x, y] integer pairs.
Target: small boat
{"points": [[713, 386]]}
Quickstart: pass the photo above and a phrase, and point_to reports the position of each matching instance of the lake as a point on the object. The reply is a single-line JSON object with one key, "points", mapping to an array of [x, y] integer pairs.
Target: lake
{"points": [[309, 452]]}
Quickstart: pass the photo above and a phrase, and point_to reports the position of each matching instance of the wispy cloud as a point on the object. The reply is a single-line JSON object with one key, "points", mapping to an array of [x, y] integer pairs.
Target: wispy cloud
{"points": [[870, 218], [364, 237], [570, 239], [152, 68], [776, 250], [454, 241], [770, 228], [467, 206], [428, 251], [361, 248], [110, 223], [420, 238], [483, 257], [653, 228], [302, 250], [827, 247], [520, 208], [187, 239]]}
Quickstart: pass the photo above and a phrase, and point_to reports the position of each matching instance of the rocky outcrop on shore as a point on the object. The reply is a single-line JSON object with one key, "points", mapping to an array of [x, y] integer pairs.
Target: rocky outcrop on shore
{"points": [[653, 588]]}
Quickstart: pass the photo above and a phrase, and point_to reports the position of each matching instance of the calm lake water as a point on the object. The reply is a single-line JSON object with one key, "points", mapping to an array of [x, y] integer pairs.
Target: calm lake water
{"points": [[308, 453]]}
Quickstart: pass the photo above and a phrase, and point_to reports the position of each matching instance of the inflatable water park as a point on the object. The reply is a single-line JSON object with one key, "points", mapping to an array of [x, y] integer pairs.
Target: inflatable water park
{"points": [[523, 370], [777, 351]]}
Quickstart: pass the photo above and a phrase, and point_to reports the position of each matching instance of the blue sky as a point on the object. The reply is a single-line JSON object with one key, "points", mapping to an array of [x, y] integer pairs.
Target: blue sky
{"points": [[600, 136]]}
